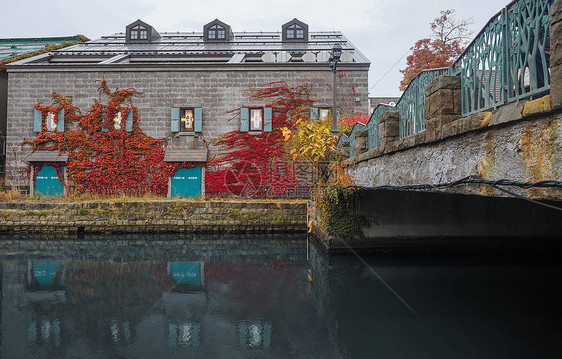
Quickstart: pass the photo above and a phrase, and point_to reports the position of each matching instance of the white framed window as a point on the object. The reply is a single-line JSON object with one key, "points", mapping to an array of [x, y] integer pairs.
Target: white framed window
{"points": [[323, 113], [256, 119], [217, 32], [255, 334], [295, 31], [50, 122], [117, 121], [139, 33]]}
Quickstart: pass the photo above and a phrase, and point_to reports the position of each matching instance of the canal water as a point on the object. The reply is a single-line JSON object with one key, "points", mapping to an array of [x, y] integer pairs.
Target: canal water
{"points": [[269, 297]]}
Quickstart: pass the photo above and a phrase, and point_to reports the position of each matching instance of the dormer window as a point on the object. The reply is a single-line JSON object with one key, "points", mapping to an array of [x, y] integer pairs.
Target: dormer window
{"points": [[139, 33], [217, 32], [295, 31]]}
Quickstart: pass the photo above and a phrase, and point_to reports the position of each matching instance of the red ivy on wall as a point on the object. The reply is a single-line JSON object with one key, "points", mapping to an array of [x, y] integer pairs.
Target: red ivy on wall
{"points": [[104, 158], [255, 164]]}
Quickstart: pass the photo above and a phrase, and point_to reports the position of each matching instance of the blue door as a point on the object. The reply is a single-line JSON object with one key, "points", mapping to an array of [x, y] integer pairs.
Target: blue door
{"points": [[47, 273], [47, 183], [186, 182], [186, 272]]}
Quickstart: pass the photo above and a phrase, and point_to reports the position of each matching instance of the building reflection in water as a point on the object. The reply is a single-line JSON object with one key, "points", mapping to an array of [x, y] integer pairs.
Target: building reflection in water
{"points": [[225, 298], [146, 308]]}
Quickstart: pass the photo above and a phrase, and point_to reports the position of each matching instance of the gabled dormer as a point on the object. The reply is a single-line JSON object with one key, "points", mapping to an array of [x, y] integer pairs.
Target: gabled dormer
{"points": [[295, 31], [217, 31], [140, 31]]}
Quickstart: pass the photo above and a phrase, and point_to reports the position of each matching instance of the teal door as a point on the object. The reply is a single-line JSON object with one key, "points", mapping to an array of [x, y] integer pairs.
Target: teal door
{"points": [[186, 272], [186, 182], [47, 183], [48, 273]]}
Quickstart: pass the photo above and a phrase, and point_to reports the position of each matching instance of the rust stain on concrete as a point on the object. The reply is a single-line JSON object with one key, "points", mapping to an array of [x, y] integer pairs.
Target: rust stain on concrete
{"points": [[540, 105], [540, 152], [486, 120], [487, 163]]}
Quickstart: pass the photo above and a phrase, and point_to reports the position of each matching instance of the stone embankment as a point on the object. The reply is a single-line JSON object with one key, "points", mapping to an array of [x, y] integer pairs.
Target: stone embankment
{"points": [[53, 218]]}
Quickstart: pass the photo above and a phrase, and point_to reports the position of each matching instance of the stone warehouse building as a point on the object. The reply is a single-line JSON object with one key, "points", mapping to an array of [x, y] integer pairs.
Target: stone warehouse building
{"points": [[12, 49], [190, 81]]}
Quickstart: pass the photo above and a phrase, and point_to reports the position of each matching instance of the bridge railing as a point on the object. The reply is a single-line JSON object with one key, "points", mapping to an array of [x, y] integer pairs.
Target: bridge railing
{"points": [[357, 127], [507, 61], [411, 105], [373, 125]]}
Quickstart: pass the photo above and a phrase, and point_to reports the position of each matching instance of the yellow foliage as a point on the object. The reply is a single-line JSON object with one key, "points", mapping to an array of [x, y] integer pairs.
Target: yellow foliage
{"points": [[311, 140]]}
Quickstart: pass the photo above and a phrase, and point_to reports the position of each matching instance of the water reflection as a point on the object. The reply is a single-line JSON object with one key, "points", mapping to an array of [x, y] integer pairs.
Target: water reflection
{"points": [[272, 298], [227, 298]]}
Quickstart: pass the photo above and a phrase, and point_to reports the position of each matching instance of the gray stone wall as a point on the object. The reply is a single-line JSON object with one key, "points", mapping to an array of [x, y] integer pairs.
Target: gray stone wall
{"points": [[17, 218], [556, 53], [528, 151], [3, 101], [216, 90]]}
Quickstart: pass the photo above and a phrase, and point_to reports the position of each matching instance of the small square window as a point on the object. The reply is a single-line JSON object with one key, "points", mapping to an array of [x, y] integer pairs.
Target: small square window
{"points": [[290, 34], [300, 34], [256, 119], [221, 34], [211, 34], [50, 122], [133, 35], [143, 35], [186, 120]]}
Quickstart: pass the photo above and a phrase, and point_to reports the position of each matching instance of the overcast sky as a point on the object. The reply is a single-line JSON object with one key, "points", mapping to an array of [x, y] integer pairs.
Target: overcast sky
{"points": [[382, 30]]}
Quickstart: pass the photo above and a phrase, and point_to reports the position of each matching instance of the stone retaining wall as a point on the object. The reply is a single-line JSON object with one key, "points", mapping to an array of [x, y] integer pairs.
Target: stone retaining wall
{"points": [[152, 217]]}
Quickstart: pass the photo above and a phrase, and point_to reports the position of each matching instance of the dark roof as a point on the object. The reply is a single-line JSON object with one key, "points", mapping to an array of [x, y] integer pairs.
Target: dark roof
{"points": [[18, 46], [47, 156], [176, 48], [186, 156]]}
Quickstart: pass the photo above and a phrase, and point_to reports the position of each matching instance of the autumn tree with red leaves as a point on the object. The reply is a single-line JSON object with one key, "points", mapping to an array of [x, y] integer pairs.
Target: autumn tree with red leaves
{"points": [[441, 49]]}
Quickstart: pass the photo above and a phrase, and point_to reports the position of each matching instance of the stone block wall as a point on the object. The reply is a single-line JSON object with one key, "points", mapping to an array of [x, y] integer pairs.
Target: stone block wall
{"points": [[556, 54], [388, 129], [153, 217], [519, 141], [360, 142], [442, 104], [217, 91], [3, 101]]}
